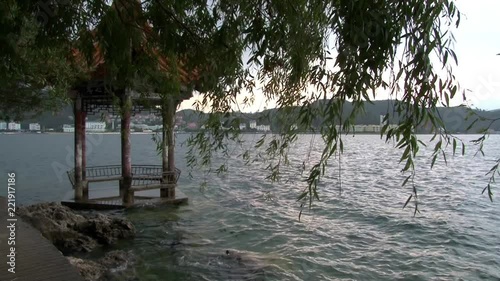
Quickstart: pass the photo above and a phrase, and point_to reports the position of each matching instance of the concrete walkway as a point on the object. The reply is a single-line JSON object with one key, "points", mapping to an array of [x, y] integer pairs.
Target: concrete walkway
{"points": [[35, 257]]}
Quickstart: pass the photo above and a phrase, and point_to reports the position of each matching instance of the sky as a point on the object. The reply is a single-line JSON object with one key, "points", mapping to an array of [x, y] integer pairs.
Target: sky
{"points": [[477, 45]]}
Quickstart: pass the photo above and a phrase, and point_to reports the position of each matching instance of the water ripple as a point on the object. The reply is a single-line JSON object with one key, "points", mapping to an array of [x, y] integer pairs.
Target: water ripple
{"points": [[362, 233]]}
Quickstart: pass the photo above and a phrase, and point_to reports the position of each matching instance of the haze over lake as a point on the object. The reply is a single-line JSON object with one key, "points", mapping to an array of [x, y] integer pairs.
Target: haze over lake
{"points": [[361, 234]]}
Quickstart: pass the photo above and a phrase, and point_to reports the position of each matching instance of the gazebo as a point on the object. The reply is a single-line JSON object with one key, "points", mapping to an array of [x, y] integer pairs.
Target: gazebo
{"points": [[97, 94]]}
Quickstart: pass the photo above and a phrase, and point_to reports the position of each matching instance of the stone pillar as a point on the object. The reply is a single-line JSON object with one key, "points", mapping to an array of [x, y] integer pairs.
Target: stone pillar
{"points": [[126, 183], [78, 113], [168, 160]]}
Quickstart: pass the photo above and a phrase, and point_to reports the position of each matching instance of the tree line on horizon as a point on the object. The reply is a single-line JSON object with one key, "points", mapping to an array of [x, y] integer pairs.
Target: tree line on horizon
{"points": [[459, 119]]}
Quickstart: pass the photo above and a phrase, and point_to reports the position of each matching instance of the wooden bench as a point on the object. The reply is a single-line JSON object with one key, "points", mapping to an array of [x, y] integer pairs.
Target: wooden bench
{"points": [[144, 177]]}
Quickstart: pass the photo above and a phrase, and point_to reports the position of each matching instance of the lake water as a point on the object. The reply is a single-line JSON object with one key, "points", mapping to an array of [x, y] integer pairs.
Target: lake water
{"points": [[361, 234]]}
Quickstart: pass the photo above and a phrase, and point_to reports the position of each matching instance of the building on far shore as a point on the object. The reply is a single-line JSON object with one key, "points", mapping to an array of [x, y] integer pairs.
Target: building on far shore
{"points": [[264, 128], [34, 127], [253, 124], [90, 126], [68, 128], [3, 126], [382, 122], [14, 126]]}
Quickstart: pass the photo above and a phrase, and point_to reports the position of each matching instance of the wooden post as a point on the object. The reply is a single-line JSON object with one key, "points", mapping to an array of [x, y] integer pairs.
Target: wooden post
{"points": [[171, 146], [126, 183], [168, 160], [78, 147], [85, 186], [164, 155]]}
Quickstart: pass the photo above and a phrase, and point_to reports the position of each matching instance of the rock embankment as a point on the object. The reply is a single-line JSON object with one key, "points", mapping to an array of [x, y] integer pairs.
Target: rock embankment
{"points": [[77, 233]]}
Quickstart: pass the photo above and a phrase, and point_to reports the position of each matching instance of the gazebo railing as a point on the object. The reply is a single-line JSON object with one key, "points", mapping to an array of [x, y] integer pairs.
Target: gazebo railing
{"points": [[96, 172], [142, 175]]}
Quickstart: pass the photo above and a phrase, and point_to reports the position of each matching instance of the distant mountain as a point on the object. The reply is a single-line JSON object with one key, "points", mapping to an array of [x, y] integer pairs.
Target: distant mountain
{"points": [[455, 118]]}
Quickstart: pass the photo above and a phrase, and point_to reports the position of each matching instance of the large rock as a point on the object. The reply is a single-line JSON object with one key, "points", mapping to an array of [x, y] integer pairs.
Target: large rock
{"points": [[106, 230], [71, 232]]}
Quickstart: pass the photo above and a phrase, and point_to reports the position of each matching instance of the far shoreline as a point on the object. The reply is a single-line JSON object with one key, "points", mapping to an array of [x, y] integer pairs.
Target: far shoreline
{"points": [[193, 132]]}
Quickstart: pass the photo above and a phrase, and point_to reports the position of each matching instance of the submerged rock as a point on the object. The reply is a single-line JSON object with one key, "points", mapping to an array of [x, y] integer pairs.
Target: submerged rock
{"points": [[73, 233], [114, 265], [244, 258], [89, 270], [118, 266]]}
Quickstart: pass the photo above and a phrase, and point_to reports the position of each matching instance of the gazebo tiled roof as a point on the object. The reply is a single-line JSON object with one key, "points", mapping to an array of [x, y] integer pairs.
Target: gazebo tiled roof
{"points": [[97, 68]]}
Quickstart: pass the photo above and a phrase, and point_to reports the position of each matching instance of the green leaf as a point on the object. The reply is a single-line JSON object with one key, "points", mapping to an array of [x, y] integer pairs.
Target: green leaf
{"points": [[454, 55], [300, 213], [405, 154], [433, 160], [409, 163], [444, 157], [407, 201], [302, 195], [472, 124], [406, 180], [494, 168]]}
